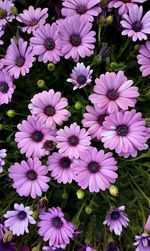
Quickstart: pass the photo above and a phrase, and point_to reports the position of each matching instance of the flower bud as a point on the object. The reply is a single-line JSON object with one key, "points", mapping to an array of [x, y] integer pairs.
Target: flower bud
{"points": [[49, 145], [78, 105], [14, 11], [109, 20], [1, 127], [80, 194], [113, 191], [88, 210], [7, 237], [11, 113], [42, 203], [51, 67], [37, 248], [101, 21], [3, 13], [41, 83], [65, 195]]}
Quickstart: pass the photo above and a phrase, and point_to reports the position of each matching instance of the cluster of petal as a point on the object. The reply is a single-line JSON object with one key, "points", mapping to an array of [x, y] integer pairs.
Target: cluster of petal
{"points": [[6, 87], [144, 59], [2, 157], [142, 242]]}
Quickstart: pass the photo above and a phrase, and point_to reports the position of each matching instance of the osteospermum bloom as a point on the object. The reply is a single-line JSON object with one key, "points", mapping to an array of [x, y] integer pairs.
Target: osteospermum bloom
{"points": [[124, 6], [32, 18], [95, 170], [116, 219], [80, 76], [114, 92], [54, 228], [147, 225], [61, 168], [29, 177], [49, 108], [144, 59], [2, 157], [32, 136], [46, 43], [76, 38], [142, 242], [18, 219], [6, 87], [72, 140], [125, 132], [19, 58], [87, 8], [136, 25], [93, 120], [5, 15]]}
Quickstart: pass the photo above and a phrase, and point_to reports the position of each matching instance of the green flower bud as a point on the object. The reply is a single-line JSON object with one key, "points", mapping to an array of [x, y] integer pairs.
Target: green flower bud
{"points": [[7, 236], [101, 21], [41, 83], [1, 127], [37, 248], [113, 191], [65, 195], [137, 47], [109, 20], [11, 113], [80, 194], [78, 105], [88, 210], [51, 67], [14, 11], [3, 13]]}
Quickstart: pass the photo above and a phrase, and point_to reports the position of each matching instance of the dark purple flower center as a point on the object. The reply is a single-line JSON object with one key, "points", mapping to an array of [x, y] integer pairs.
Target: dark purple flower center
{"points": [[49, 145], [49, 44], [81, 80], [81, 9], [101, 119], [122, 130], [22, 215], [115, 215], [59, 249], [33, 22], [65, 162], [3, 13], [31, 175], [112, 95], [75, 40], [73, 140], [20, 61], [4, 87], [49, 110], [126, 1], [57, 222], [137, 26], [37, 136], [93, 167]]}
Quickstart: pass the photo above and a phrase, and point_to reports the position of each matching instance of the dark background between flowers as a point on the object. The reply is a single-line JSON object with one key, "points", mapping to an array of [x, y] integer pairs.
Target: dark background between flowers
{"points": [[134, 173]]}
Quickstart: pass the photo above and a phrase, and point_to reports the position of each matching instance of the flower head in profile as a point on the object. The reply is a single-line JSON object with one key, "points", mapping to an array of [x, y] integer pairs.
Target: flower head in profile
{"points": [[5, 14], [6, 87], [136, 25], [76, 38], [32, 18], [142, 242], [2, 157], [80, 76], [86, 8], [18, 219], [116, 219], [53, 224], [144, 59], [19, 58], [114, 92]]}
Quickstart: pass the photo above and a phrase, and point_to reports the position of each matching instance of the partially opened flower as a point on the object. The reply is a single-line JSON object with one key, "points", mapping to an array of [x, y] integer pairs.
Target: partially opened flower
{"points": [[76, 38], [116, 219], [80, 76], [49, 108], [5, 14], [46, 43], [29, 177], [147, 226], [32, 136], [2, 157], [142, 242], [32, 18], [6, 87], [125, 132], [86, 8], [18, 219], [19, 58], [55, 228], [114, 92], [144, 59], [136, 25], [72, 140]]}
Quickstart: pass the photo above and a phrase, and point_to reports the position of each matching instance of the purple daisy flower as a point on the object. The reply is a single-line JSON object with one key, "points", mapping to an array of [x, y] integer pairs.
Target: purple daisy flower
{"points": [[124, 6], [95, 170], [116, 219], [125, 132], [136, 25], [93, 120], [114, 92], [142, 242], [76, 38], [2, 156], [144, 59], [61, 168], [49, 108], [19, 58], [32, 136], [54, 228], [85, 8], [147, 225], [6, 16], [72, 140], [1, 34], [6, 87], [46, 43], [80, 76], [32, 18], [29, 177], [18, 220]]}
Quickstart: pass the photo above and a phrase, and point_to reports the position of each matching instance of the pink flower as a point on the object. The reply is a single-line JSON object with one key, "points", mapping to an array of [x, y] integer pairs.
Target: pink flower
{"points": [[144, 59], [6, 87]]}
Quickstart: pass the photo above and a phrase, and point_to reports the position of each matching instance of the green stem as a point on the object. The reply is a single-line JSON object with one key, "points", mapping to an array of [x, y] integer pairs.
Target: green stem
{"points": [[124, 47]]}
